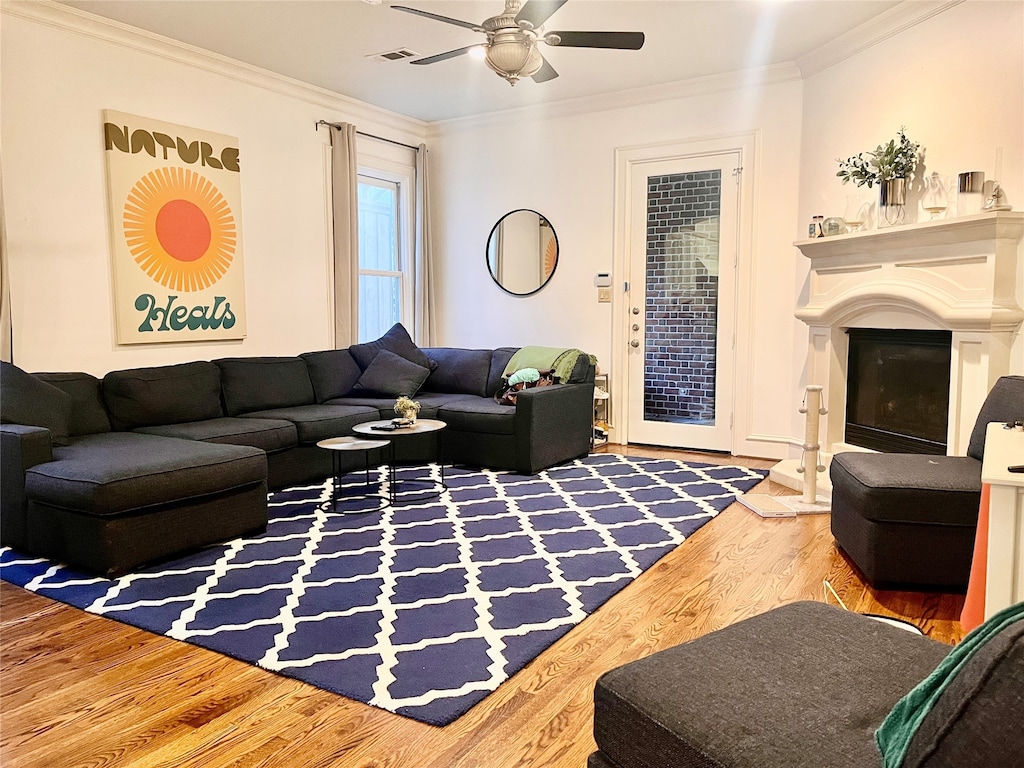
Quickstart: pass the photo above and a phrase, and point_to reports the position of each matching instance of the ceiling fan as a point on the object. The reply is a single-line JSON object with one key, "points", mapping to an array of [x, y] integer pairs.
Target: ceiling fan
{"points": [[512, 37]]}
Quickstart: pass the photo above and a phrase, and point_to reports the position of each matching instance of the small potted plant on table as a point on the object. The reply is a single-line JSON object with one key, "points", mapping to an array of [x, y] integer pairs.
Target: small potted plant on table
{"points": [[406, 409]]}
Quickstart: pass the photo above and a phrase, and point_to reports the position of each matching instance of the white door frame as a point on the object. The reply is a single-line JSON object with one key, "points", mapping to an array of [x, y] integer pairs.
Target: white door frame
{"points": [[626, 158]]}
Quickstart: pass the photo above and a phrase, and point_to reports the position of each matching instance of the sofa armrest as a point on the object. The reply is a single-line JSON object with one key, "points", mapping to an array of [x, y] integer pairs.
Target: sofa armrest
{"points": [[553, 424], [21, 447]]}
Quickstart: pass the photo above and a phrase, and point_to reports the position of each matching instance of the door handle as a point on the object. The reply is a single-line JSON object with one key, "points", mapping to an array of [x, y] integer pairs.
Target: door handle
{"points": [[636, 326], [634, 343]]}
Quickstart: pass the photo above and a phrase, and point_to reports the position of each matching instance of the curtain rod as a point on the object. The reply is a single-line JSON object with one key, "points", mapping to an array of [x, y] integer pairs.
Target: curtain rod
{"points": [[371, 136]]}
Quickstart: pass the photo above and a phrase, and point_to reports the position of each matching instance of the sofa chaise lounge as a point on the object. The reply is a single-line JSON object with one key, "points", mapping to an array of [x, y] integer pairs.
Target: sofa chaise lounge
{"points": [[151, 462]]}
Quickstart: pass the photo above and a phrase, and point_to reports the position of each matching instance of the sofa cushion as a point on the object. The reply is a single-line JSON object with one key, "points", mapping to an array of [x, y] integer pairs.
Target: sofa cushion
{"points": [[319, 422], [579, 374], [168, 394], [27, 400], [480, 414], [460, 371], [398, 341], [908, 488], [270, 435], [801, 685], [88, 416], [333, 372], [116, 472], [258, 383], [975, 718], [499, 361], [390, 374], [430, 403], [1005, 402]]}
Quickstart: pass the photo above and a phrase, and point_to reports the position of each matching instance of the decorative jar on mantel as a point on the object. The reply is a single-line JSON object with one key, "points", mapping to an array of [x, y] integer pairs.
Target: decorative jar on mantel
{"points": [[892, 202]]}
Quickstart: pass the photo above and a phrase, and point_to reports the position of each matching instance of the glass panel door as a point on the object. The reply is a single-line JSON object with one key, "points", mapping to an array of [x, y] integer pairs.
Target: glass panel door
{"points": [[682, 245]]}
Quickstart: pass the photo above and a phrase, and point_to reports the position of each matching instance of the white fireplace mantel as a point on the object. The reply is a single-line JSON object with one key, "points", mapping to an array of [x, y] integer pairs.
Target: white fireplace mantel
{"points": [[962, 275]]}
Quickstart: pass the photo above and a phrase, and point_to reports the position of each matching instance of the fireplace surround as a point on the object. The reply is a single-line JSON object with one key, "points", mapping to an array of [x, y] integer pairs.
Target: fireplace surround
{"points": [[961, 275]]}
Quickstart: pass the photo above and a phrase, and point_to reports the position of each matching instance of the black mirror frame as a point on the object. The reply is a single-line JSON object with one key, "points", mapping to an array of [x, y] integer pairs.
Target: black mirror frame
{"points": [[487, 249]]}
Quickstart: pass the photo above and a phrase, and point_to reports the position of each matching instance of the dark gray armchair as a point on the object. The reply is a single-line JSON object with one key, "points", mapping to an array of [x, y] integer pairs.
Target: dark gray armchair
{"points": [[909, 519]]}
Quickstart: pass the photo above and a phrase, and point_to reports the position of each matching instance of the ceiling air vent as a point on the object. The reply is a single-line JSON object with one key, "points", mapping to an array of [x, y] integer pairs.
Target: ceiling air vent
{"points": [[396, 55]]}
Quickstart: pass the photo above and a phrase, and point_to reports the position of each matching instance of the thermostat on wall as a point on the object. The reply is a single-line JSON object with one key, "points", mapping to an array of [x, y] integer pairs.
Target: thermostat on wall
{"points": [[603, 280]]}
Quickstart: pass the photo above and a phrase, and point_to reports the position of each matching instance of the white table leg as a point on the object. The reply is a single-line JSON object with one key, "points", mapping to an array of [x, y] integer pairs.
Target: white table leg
{"points": [[1004, 573]]}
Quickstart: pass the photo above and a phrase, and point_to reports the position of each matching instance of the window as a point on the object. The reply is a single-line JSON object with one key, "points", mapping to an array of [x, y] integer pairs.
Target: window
{"points": [[384, 284]]}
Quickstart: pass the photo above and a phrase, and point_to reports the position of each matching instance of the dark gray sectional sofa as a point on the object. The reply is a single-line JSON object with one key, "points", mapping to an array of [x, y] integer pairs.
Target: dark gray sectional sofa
{"points": [[150, 462]]}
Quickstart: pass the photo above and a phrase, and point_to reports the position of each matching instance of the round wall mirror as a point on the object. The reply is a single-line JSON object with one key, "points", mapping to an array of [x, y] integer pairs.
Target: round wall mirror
{"points": [[522, 252]]}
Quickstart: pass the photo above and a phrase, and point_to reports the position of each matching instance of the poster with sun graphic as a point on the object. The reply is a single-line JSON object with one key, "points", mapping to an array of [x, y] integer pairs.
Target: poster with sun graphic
{"points": [[175, 215]]}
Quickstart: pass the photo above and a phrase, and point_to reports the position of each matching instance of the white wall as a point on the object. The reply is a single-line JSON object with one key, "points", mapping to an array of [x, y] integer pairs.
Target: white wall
{"points": [[56, 80], [955, 81], [563, 166]]}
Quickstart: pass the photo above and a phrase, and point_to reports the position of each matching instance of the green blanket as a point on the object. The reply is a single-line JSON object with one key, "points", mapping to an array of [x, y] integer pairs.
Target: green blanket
{"points": [[559, 359], [894, 735]]}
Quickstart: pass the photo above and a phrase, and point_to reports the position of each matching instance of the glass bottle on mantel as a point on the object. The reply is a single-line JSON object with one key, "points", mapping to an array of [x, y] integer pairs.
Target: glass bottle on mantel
{"points": [[970, 192]]}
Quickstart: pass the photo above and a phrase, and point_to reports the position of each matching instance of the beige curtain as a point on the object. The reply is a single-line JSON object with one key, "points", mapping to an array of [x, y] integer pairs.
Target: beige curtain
{"points": [[344, 189], [423, 296], [6, 330]]}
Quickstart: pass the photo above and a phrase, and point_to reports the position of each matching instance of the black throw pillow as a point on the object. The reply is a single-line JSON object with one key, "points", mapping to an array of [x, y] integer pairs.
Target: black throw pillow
{"points": [[398, 341], [26, 400], [390, 374]]}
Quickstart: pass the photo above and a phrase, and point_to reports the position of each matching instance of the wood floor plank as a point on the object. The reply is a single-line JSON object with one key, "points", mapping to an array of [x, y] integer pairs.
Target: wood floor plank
{"points": [[80, 690]]}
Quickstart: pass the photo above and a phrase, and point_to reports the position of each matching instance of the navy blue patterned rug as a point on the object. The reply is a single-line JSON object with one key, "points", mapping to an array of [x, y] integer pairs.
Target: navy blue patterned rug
{"points": [[423, 608]]}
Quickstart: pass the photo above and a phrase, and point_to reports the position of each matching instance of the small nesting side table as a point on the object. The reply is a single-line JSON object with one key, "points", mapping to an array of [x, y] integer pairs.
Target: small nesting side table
{"points": [[339, 444], [420, 427]]}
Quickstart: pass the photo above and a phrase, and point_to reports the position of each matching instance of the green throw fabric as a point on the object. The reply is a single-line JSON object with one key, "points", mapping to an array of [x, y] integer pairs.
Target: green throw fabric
{"points": [[898, 729], [560, 359]]}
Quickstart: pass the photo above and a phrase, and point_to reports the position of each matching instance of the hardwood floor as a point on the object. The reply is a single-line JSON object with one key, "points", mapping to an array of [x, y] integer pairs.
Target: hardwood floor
{"points": [[79, 690]]}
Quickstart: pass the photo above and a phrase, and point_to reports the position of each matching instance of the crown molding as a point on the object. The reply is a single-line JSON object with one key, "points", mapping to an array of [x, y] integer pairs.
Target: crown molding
{"points": [[634, 97], [885, 25], [71, 19], [411, 130]]}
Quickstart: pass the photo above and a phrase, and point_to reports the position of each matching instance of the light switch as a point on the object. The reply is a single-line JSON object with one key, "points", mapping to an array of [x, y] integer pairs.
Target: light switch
{"points": [[604, 295]]}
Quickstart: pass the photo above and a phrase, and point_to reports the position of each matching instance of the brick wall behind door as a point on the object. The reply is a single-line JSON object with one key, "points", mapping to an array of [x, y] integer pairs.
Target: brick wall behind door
{"points": [[682, 296]]}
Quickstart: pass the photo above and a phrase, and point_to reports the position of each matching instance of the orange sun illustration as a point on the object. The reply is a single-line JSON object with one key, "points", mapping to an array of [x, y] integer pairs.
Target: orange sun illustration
{"points": [[179, 228]]}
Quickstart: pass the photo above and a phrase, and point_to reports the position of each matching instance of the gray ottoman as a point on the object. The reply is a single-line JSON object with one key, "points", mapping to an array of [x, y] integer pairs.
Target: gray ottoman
{"points": [[907, 519], [806, 686], [802, 686]]}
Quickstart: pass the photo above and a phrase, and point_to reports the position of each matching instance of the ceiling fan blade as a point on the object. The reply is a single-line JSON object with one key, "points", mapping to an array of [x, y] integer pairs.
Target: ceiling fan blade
{"points": [[630, 41], [536, 12], [545, 73], [443, 56], [436, 17]]}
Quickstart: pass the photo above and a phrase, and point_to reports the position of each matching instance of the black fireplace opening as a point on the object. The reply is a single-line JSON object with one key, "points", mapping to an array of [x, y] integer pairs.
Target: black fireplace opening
{"points": [[897, 390]]}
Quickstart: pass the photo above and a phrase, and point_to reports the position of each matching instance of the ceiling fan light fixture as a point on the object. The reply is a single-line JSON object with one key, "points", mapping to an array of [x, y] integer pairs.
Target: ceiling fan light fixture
{"points": [[511, 49], [513, 56]]}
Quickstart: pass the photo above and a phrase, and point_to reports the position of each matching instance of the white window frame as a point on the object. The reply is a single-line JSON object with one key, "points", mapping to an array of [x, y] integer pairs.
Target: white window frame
{"points": [[403, 179]]}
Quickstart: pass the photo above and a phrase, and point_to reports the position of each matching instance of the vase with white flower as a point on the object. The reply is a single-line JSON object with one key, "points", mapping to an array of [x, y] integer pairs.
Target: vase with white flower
{"points": [[406, 408]]}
